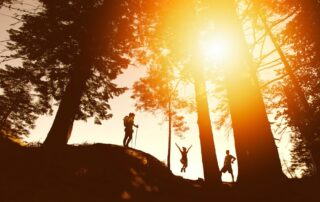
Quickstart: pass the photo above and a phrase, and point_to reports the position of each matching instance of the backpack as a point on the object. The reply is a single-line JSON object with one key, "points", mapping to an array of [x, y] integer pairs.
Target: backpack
{"points": [[126, 121]]}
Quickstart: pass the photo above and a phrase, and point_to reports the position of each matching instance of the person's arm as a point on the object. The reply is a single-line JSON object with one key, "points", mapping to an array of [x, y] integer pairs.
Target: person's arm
{"points": [[189, 148], [135, 125], [178, 147], [233, 159]]}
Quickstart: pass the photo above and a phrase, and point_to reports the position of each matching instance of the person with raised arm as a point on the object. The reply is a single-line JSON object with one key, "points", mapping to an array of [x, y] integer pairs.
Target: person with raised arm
{"points": [[184, 157]]}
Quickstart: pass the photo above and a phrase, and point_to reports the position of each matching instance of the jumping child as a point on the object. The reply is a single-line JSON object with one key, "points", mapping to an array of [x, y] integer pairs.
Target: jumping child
{"points": [[184, 157]]}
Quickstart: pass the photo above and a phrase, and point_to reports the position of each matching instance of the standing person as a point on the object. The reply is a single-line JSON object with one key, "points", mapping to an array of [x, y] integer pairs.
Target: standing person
{"points": [[128, 122], [184, 157], [228, 160]]}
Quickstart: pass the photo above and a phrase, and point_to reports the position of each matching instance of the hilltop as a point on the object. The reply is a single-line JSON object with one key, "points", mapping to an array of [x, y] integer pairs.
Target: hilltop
{"points": [[97, 172], [103, 172]]}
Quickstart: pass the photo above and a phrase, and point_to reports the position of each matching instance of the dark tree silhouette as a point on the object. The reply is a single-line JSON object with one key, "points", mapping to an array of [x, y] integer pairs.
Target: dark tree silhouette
{"points": [[18, 108], [301, 156], [257, 154], [20, 105], [301, 34], [77, 48], [208, 152]]}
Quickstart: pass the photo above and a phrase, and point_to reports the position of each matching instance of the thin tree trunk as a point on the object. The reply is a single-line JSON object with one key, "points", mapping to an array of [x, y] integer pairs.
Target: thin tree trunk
{"points": [[293, 78], [209, 158], [169, 135]]}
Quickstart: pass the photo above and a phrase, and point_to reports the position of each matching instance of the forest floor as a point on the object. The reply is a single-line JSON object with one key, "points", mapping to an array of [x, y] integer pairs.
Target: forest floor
{"points": [[112, 173]]}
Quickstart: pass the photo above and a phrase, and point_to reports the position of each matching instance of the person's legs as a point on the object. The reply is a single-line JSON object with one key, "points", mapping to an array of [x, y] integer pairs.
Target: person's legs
{"points": [[185, 165], [129, 134], [129, 139], [182, 162], [232, 175], [223, 170], [231, 172], [125, 139]]}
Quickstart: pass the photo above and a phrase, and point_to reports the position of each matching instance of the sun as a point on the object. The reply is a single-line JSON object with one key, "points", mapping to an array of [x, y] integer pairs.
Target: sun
{"points": [[214, 47]]}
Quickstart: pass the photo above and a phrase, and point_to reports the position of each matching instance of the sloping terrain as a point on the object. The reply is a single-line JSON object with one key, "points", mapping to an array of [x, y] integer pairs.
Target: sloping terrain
{"points": [[86, 173], [112, 173]]}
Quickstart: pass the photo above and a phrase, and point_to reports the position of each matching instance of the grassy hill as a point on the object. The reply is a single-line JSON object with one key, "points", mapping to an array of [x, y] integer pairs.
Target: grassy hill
{"points": [[112, 173]]}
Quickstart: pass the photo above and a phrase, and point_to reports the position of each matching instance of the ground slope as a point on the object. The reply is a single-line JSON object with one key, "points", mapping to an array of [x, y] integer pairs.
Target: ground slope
{"points": [[87, 173], [103, 172]]}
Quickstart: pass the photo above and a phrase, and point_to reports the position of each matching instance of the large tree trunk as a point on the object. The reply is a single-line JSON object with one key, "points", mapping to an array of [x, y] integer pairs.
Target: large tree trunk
{"points": [[209, 159], [61, 128], [258, 159]]}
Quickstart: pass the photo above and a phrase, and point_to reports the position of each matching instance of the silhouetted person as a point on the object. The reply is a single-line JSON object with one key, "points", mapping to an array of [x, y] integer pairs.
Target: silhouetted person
{"points": [[228, 160], [128, 124], [184, 157]]}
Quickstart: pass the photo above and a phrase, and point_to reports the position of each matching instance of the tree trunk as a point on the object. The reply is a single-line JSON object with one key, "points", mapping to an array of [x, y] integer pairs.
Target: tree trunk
{"points": [[169, 134], [297, 88], [61, 128], [209, 159], [258, 159]]}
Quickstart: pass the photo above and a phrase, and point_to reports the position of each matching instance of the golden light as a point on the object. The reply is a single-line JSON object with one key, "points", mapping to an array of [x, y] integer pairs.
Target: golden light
{"points": [[214, 47], [165, 51]]}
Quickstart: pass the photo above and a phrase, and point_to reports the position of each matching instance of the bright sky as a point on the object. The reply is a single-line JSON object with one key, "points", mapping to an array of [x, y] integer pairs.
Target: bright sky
{"points": [[152, 137]]}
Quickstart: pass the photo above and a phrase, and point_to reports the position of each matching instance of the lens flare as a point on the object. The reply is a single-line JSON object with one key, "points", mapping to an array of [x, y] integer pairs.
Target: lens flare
{"points": [[214, 47]]}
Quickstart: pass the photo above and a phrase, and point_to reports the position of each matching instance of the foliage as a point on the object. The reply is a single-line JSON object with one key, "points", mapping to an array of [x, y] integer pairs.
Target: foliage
{"points": [[301, 160], [50, 42], [18, 107], [159, 89], [301, 42], [2, 2]]}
